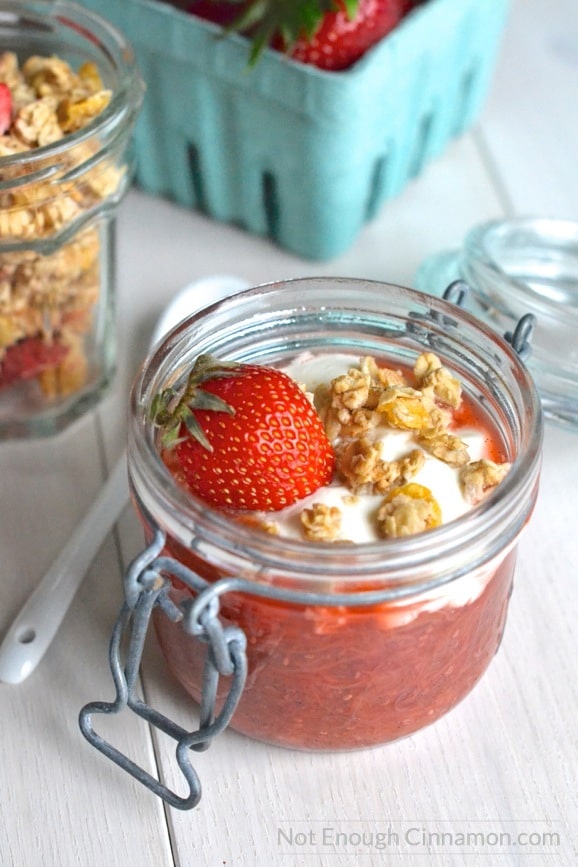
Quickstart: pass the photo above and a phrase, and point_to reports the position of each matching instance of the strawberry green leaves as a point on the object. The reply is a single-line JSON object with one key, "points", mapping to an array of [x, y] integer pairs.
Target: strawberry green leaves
{"points": [[242, 436], [171, 409]]}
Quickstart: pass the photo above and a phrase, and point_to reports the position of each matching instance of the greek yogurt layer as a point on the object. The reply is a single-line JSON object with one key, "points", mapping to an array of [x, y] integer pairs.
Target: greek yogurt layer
{"points": [[357, 511], [358, 524]]}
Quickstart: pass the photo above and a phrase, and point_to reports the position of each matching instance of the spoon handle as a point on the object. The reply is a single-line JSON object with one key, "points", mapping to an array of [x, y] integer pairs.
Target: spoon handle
{"points": [[33, 629]]}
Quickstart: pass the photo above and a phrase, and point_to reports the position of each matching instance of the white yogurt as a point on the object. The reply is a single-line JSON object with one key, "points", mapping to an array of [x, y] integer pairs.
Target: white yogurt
{"points": [[358, 521]]}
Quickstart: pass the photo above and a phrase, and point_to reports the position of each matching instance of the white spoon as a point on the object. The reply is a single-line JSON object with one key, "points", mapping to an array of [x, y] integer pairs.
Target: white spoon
{"points": [[38, 621]]}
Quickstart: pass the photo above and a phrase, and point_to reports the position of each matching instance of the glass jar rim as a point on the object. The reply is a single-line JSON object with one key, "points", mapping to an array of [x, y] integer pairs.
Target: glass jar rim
{"points": [[530, 264], [552, 237], [407, 564], [116, 118]]}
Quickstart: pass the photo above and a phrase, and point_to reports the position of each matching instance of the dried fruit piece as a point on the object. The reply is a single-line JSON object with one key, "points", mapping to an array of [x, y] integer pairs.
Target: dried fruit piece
{"points": [[408, 510], [404, 408], [5, 108], [28, 358]]}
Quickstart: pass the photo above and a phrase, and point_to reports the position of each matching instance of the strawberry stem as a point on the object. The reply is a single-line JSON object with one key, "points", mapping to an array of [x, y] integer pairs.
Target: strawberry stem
{"points": [[290, 19], [170, 408]]}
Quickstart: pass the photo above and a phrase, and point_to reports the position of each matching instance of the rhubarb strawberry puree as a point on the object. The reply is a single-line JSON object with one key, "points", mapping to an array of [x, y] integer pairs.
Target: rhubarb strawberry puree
{"points": [[336, 679]]}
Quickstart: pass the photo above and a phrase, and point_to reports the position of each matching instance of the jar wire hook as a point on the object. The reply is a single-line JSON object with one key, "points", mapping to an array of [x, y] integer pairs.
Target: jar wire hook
{"points": [[133, 620]]}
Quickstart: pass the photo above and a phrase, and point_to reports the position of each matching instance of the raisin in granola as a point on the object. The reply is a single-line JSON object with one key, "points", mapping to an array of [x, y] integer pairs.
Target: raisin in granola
{"points": [[407, 510]]}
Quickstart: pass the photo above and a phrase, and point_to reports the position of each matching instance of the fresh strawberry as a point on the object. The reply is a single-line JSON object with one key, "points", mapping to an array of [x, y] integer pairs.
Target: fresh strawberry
{"points": [[343, 38], [5, 108], [243, 437], [329, 34], [28, 358]]}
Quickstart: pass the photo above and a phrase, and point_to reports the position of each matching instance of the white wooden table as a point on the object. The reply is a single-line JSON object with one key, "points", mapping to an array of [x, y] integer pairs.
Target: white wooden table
{"points": [[503, 766]]}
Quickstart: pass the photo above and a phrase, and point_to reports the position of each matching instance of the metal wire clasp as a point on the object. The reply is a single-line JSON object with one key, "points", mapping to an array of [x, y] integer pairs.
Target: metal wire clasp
{"points": [[519, 339], [146, 586]]}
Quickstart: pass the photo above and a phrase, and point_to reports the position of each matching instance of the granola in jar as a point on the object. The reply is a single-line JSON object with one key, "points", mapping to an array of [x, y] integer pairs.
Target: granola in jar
{"points": [[69, 97], [47, 298]]}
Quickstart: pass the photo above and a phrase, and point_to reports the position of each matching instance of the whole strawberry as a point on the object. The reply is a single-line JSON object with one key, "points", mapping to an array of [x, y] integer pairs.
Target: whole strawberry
{"points": [[329, 34], [345, 35], [243, 437]]}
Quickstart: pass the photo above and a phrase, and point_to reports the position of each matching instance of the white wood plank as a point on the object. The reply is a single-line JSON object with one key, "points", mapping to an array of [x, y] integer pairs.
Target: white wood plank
{"points": [[530, 126], [61, 801], [38, 479]]}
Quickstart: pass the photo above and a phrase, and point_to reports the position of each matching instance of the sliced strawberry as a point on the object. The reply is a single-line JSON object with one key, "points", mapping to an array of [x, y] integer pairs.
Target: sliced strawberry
{"points": [[243, 437], [5, 108], [28, 358]]}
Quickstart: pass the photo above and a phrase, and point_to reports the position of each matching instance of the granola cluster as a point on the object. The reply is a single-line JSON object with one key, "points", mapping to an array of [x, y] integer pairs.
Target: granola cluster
{"points": [[356, 408], [47, 297]]}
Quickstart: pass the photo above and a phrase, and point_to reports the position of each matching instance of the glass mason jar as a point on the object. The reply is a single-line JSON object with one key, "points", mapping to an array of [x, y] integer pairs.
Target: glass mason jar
{"points": [[516, 266], [348, 646], [70, 96]]}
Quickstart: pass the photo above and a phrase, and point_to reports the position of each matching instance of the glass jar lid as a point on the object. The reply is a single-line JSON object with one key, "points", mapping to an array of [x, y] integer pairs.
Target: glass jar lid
{"points": [[518, 266]]}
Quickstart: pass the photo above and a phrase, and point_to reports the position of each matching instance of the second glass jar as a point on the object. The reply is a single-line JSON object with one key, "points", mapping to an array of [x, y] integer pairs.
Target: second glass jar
{"points": [[73, 91]]}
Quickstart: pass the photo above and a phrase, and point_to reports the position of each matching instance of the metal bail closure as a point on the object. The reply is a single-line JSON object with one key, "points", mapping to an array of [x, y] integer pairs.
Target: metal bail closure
{"points": [[456, 292], [519, 339], [146, 586]]}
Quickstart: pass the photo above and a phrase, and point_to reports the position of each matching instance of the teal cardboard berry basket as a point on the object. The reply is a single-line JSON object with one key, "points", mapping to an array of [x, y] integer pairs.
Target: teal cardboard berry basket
{"points": [[303, 156]]}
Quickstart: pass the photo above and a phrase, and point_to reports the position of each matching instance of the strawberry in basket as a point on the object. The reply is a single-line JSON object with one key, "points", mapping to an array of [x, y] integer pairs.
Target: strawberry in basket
{"points": [[329, 34]]}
